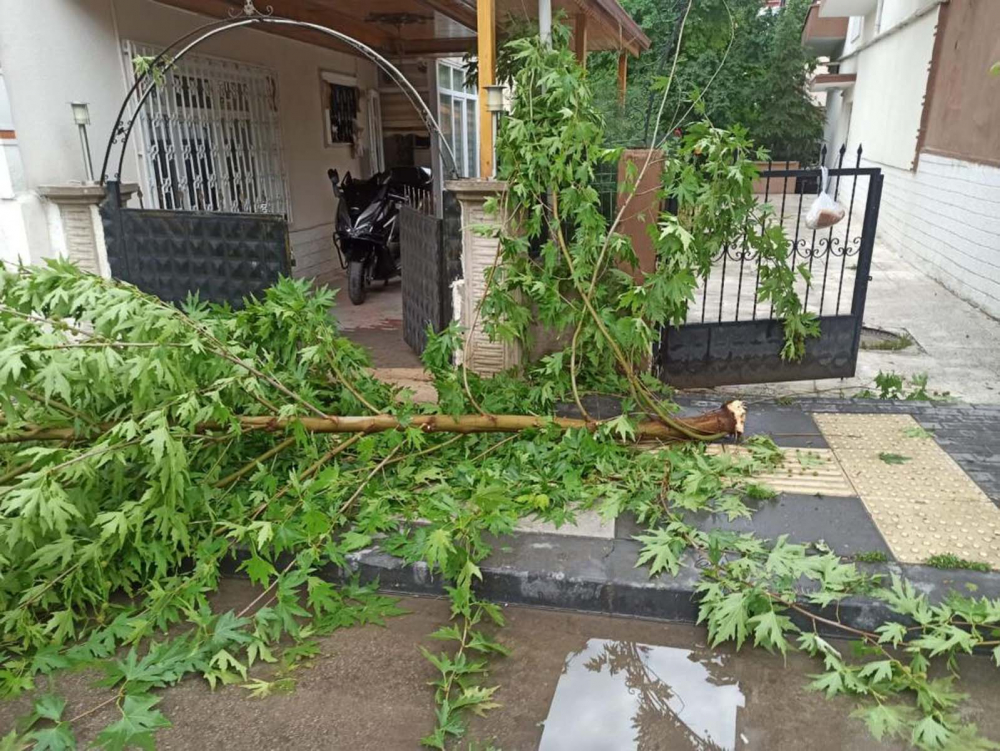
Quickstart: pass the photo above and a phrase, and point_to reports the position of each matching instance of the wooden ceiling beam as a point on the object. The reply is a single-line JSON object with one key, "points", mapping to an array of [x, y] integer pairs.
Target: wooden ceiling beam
{"points": [[612, 29], [365, 32], [453, 9], [432, 47]]}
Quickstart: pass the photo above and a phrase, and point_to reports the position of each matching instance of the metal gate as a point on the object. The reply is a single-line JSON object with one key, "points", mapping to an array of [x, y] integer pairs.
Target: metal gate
{"points": [[220, 256], [730, 337]]}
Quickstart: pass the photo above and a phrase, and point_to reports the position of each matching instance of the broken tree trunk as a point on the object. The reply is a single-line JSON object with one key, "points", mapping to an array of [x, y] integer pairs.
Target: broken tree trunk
{"points": [[726, 420]]}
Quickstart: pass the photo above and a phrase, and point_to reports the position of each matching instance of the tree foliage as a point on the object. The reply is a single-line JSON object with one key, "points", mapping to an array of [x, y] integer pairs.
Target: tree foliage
{"points": [[147, 449], [762, 80]]}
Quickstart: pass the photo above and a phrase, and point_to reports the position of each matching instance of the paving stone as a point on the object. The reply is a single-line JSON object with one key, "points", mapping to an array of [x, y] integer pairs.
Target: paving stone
{"points": [[842, 523], [588, 524], [806, 471], [788, 426], [923, 506]]}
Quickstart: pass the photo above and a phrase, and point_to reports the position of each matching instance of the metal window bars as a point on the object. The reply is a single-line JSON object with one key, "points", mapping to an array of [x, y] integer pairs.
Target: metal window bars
{"points": [[210, 138]]}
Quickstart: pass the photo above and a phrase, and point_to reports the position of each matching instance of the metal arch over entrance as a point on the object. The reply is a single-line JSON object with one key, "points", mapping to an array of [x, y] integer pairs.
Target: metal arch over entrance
{"points": [[249, 16], [224, 257]]}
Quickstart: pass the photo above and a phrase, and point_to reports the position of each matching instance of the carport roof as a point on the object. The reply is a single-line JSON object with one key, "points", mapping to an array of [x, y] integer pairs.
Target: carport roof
{"points": [[430, 27]]}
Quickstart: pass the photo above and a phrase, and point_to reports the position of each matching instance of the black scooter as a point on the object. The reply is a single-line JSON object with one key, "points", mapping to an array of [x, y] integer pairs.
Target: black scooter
{"points": [[366, 235]]}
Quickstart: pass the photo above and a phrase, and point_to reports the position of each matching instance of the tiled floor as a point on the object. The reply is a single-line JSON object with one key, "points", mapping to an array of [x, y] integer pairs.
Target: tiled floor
{"points": [[923, 503]]}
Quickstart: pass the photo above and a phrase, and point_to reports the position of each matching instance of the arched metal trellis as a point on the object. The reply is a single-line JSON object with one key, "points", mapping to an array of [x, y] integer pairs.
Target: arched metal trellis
{"points": [[147, 80], [221, 256]]}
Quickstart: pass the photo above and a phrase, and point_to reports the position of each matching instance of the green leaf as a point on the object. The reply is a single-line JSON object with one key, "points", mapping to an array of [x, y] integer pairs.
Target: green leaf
{"points": [[56, 738], [259, 570], [885, 720], [830, 682], [877, 671], [49, 707], [136, 727], [929, 733], [438, 547], [890, 458], [660, 551], [13, 742], [769, 630], [891, 633]]}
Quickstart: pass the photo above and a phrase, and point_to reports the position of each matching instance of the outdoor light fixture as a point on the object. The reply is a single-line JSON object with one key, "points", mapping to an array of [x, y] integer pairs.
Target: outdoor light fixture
{"points": [[494, 97], [494, 105], [81, 116]]}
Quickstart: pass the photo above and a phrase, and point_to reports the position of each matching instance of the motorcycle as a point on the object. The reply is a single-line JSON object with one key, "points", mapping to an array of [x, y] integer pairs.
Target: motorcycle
{"points": [[366, 233]]}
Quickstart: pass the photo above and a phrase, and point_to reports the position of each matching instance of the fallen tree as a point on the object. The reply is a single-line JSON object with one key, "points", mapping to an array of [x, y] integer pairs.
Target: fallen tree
{"points": [[727, 420], [143, 445]]}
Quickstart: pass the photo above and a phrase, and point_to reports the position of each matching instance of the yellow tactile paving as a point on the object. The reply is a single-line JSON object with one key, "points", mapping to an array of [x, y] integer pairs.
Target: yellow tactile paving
{"points": [[924, 506], [805, 471]]}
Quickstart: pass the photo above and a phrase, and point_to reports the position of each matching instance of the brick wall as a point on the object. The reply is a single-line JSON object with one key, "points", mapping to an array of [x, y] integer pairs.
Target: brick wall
{"points": [[944, 217], [314, 254]]}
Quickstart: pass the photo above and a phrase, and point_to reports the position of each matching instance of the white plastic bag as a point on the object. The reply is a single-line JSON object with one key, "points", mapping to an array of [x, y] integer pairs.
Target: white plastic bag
{"points": [[825, 211]]}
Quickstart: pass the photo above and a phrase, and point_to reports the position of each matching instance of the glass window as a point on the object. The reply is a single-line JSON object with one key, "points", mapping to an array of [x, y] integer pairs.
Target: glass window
{"points": [[457, 115], [445, 120], [444, 76]]}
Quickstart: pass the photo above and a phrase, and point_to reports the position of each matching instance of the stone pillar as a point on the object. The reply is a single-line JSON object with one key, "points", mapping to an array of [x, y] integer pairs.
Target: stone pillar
{"points": [[75, 229], [479, 254]]}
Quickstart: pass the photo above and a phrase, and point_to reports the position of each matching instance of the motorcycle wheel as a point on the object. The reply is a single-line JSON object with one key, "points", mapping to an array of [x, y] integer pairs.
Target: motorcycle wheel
{"points": [[356, 281]]}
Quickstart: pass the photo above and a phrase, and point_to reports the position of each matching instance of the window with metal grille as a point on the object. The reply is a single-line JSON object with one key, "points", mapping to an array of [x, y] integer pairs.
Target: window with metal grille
{"points": [[209, 137], [343, 109]]}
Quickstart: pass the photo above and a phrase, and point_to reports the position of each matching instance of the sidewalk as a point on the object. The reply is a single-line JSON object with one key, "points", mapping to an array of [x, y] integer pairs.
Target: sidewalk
{"points": [[944, 498], [955, 343]]}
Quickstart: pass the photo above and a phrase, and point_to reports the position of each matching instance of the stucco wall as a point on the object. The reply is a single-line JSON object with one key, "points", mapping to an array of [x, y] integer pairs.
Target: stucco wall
{"points": [[889, 93], [55, 51], [963, 117]]}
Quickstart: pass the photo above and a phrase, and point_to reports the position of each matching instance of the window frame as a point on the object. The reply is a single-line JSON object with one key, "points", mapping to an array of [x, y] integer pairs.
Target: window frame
{"points": [[467, 164], [333, 78], [217, 147]]}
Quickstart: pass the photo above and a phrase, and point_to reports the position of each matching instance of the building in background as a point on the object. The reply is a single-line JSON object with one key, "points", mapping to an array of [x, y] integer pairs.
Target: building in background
{"points": [[910, 81]]}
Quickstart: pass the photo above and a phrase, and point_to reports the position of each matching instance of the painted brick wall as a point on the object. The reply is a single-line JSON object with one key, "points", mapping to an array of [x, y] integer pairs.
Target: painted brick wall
{"points": [[314, 254], [944, 217]]}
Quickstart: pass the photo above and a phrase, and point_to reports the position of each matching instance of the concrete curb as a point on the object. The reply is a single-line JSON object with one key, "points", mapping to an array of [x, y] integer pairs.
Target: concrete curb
{"points": [[600, 576]]}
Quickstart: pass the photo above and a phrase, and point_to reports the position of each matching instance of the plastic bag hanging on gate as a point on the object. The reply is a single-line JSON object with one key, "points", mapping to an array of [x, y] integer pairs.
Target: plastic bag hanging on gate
{"points": [[825, 211]]}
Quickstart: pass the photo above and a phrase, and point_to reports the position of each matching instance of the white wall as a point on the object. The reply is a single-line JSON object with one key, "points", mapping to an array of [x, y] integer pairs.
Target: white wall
{"points": [[938, 213], [942, 217], [55, 51], [889, 93]]}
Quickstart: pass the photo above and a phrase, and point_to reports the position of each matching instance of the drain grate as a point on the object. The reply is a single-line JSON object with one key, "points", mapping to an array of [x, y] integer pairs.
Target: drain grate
{"points": [[880, 339]]}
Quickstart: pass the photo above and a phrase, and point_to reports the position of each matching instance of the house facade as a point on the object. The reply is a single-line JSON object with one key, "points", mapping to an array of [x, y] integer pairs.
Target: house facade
{"points": [[249, 121], [910, 81]]}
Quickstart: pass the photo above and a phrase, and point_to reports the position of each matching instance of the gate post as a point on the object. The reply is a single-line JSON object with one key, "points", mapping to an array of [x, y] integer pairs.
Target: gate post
{"points": [[479, 254], [76, 231]]}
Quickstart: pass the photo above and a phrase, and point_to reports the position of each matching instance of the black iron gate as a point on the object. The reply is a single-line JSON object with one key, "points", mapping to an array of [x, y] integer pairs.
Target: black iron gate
{"points": [[221, 257], [422, 274], [730, 337]]}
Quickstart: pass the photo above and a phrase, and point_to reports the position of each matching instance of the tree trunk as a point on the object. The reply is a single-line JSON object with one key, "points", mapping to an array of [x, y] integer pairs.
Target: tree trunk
{"points": [[727, 420]]}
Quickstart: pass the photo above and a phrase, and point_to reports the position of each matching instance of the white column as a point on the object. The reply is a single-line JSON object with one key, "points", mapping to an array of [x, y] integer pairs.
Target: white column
{"points": [[545, 20]]}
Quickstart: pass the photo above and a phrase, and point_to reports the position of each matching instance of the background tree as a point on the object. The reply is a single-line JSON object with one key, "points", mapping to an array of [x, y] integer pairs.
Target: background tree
{"points": [[763, 83]]}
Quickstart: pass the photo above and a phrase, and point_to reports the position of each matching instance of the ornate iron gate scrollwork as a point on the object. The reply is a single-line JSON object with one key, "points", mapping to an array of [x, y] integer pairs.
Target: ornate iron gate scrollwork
{"points": [[732, 338]]}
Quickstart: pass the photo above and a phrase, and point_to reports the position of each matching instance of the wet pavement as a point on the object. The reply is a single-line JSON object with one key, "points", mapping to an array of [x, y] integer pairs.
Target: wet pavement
{"points": [[573, 682]]}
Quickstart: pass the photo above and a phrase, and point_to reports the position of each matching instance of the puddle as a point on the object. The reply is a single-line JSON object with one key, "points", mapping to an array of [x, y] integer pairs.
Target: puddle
{"points": [[625, 695]]}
